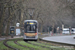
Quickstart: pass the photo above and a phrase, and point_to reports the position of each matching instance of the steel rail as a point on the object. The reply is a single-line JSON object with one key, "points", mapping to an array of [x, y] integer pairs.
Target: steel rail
{"points": [[5, 43], [23, 45], [42, 46]]}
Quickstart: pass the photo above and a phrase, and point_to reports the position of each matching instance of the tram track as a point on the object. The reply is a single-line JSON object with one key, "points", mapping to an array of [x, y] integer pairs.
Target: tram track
{"points": [[32, 44], [50, 44], [41, 46], [23, 45], [16, 42], [5, 43]]}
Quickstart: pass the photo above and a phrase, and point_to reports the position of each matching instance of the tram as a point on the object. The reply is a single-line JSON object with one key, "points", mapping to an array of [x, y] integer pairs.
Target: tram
{"points": [[30, 30]]}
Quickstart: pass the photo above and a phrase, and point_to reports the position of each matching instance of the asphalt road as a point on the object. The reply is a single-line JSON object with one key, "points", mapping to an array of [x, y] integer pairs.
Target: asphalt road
{"points": [[61, 39]]}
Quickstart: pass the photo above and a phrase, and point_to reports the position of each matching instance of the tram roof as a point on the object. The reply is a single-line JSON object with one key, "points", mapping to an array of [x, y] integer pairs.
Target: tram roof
{"points": [[30, 20]]}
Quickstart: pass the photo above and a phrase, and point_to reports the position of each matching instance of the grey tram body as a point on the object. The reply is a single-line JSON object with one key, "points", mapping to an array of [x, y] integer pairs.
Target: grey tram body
{"points": [[30, 38]]}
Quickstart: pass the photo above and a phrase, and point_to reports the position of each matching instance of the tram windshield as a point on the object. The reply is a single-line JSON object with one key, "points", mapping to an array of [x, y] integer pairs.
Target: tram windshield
{"points": [[30, 29]]}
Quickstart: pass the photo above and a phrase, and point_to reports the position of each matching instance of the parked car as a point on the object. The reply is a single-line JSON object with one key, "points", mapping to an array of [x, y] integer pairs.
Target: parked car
{"points": [[73, 31], [65, 31]]}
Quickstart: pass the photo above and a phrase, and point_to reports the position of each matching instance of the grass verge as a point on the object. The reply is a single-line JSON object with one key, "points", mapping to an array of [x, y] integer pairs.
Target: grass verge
{"points": [[11, 43], [47, 45], [3, 47], [32, 46]]}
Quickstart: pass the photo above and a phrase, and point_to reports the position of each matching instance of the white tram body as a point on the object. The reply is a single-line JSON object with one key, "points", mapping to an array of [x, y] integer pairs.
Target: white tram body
{"points": [[30, 30]]}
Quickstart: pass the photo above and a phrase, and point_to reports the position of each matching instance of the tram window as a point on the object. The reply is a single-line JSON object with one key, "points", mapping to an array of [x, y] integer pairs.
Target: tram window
{"points": [[28, 28], [12, 28], [31, 28]]}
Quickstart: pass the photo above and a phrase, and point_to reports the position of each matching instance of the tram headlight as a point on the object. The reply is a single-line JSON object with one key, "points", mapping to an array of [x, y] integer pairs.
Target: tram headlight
{"points": [[12, 31], [25, 33], [35, 33]]}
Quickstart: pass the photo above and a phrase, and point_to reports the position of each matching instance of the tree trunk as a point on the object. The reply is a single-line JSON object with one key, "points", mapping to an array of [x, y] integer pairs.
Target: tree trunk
{"points": [[41, 24], [1, 27], [7, 30], [1, 22], [8, 23], [21, 21], [41, 28], [53, 28]]}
